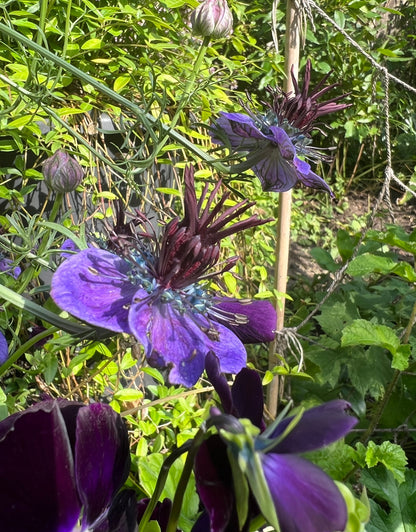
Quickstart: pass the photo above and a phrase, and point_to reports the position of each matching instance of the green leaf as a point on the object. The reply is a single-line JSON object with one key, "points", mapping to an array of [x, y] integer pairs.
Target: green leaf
{"points": [[91, 44], [51, 367], [335, 316], [401, 499], [363, 332], [128, 394], [121, 82], [368, 263], [152, 526], [391, 455], [324, 259]]}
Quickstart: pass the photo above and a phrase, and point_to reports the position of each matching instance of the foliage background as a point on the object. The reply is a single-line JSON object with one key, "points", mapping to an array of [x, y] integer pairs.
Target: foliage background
{"points": [[359, 344]]}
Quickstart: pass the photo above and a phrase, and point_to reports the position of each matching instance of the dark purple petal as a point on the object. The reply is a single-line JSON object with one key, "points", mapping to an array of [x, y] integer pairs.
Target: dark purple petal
{"points": [[261, 317], [217, 379], [318, 427], [122, 515], [160, 514], [37, 472], [247, 394], [94, 286], [4, 349], [181, 340], [202, 523], [309, 178], [306, 499], [102, 458], [214, 482]]}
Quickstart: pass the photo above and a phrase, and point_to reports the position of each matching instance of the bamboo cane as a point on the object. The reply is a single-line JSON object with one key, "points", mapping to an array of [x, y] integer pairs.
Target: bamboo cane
{"points": [[292, 46]]}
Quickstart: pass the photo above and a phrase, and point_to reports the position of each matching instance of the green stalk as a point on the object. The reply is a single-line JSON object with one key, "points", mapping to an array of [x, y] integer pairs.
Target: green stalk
{"points": [[25, 304], [183, 481], [161, 481]]}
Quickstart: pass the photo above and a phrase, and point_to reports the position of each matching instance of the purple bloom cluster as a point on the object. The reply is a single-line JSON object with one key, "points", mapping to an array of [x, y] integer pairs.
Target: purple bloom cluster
{"points": [[6, 266], [272, 142], [305, 498], [155, 288]]}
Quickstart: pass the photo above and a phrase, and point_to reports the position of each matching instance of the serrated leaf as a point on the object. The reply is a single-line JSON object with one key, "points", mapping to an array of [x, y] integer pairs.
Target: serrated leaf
{"points": [[401, 499], [391, 455], [363, 332], [335, 316], [368, 263]]}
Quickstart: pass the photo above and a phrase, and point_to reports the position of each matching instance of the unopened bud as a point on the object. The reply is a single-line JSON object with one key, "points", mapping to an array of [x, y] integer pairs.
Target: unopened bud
{"points": [[62, 172], [212, 18]]}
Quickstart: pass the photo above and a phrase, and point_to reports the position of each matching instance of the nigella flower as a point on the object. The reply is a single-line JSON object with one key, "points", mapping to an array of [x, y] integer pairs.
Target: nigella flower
{"points": [[6, 266], [63, 464], [273, 142], [154, 288], [290, 492], [4, 349]]}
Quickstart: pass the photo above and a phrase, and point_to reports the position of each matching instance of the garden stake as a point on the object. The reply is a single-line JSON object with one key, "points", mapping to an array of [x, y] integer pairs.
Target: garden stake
{"points": [[292, 39]]}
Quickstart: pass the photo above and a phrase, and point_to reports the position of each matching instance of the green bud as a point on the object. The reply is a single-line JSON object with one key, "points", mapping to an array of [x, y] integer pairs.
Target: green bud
{"points": [[62, 172], [212, 18]]}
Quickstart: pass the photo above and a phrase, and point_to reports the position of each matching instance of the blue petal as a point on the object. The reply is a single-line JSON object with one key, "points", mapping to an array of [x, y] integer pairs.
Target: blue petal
{"points": [[181, 339], [94, 286], [318, 427], [240, 130], [261, 319], [306, 499], [4, 349], [309, 178]]}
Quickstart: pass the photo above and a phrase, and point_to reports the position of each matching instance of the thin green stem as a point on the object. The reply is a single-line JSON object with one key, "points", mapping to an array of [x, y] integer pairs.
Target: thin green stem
{"points": [[25, 347], [186, 94], [184, 480], [25, 304], [161, 481]]}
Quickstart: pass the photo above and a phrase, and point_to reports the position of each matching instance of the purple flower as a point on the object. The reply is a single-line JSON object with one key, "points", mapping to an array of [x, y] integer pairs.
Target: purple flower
{"points": [[4, 349], [154, 288], [305, 499], [63, 463], [6, 266], [272, 142]]}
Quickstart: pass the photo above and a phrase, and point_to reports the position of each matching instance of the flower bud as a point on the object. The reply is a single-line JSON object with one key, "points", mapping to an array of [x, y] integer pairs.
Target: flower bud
{"points": [[62, 172], [212, 18]]}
